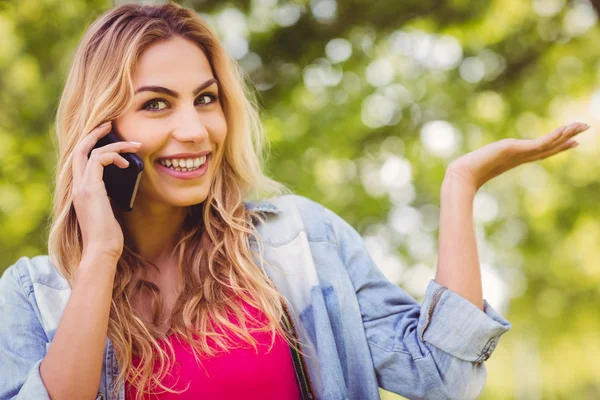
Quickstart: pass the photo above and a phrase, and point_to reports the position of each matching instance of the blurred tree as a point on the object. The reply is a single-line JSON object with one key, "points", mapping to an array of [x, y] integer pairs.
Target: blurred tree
{"points": [[365, 104]]}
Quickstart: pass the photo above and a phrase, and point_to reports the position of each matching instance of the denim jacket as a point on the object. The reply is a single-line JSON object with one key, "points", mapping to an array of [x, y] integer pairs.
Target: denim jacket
{"points": [[358, 330]]}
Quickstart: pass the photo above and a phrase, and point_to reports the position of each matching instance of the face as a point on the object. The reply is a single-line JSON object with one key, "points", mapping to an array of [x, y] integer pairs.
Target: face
{"points": [[178, 118]]}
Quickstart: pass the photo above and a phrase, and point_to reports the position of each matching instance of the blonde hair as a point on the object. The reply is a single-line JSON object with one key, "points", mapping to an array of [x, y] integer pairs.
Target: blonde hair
{"points": [[215, 257]]}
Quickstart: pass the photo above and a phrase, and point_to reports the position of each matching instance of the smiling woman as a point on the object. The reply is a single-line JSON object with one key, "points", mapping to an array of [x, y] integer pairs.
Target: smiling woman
{"points": [[199, 292], [185, 125], [179, 263]]}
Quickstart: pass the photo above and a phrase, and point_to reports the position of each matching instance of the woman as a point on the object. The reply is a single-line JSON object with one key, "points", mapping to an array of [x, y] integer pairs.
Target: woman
{"points": [[198, 294]]}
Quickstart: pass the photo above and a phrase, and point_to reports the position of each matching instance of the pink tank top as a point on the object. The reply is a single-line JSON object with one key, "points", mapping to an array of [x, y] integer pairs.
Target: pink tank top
{"points": [[239, 374]]}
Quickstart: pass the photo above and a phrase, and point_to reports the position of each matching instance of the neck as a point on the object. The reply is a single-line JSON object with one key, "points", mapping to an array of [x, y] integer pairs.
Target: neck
{"points": [[154, 230]]}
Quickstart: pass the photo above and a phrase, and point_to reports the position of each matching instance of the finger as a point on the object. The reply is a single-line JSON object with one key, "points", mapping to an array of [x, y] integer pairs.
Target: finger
{"points": [[118, 147], [575, 130], [83, 148], [569, 144], [556, 134], [95, 167], [549, 141]]}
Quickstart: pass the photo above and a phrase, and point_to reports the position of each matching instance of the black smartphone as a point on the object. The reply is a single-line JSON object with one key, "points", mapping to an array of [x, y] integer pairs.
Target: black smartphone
{"points": [[121, 183]]}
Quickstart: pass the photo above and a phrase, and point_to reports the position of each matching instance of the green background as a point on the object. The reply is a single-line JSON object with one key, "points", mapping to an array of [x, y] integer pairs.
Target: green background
{"points": [[365, 104]]}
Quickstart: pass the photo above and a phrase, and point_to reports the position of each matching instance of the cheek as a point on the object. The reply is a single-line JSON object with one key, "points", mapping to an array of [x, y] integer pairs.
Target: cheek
{"points": [[147, 132], [219, 129], [150, 145], [131, 129]]}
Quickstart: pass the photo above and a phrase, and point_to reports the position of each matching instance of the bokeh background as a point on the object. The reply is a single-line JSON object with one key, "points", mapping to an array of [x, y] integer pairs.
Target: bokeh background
{"points": [[365, 103]]}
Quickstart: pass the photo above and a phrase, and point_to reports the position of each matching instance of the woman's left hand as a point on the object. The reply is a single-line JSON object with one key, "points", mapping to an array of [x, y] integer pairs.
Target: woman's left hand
{"points": [[481, 165], [458, 260]]}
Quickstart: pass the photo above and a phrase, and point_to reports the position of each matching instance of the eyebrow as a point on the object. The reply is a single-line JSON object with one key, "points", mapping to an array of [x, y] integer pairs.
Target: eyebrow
{"points": [[172, 93]]}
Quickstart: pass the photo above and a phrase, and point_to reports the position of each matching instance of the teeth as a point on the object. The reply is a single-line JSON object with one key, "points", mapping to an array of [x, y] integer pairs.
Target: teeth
{"points": [[184, 164]]}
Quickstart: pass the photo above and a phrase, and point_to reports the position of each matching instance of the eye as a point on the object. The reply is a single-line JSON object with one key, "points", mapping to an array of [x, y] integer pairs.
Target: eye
{"points": [[204, 99], [151, 102], [207, 98]]}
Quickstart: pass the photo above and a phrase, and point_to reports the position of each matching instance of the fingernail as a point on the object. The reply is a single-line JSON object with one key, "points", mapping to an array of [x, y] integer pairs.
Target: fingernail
{"points": [[136, 143], [106, 123]]}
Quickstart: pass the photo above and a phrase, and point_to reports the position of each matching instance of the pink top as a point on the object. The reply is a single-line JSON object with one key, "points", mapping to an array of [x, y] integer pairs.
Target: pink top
{"points": [[239, 374]]}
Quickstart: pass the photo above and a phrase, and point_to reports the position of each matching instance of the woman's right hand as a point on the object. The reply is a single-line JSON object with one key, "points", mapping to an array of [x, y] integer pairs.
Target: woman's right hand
{"points": [[101, 232]]}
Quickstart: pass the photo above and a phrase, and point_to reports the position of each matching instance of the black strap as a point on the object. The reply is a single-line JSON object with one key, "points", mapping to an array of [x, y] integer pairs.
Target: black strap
{"points": [[302, 377]]}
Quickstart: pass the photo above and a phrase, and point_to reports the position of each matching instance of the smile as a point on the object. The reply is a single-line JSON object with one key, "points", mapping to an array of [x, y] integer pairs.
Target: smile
{"points": [[178, 168]]}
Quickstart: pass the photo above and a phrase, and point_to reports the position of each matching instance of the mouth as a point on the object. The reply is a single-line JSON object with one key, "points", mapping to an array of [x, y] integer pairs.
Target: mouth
{"points": [[180, 170]]}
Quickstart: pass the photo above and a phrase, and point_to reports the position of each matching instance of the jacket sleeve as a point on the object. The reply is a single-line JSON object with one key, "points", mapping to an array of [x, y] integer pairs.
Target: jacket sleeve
{"points": [[22, 339], [433, 350]]}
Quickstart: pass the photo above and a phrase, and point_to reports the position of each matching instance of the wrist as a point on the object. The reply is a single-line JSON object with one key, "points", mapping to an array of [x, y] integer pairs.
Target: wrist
{"points": [[93, 252], [95, 272], [98, 260], [459, 179]]}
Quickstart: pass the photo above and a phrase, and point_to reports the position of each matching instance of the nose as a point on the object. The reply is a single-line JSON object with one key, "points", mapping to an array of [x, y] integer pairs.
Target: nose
{"points": [[190, 126]]}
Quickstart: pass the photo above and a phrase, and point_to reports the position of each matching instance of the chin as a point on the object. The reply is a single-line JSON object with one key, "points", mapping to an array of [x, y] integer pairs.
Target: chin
{"points": [[186, 201], [177, 198]]}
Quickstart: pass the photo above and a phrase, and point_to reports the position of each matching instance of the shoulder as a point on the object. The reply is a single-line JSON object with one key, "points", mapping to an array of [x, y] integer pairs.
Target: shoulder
{"points": [[290, 215], [38, 270], [284, 203], [34, 284]]}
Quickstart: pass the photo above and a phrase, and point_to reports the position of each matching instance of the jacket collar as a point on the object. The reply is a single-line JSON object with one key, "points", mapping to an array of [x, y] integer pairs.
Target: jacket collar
{"points": [[263, 206]]}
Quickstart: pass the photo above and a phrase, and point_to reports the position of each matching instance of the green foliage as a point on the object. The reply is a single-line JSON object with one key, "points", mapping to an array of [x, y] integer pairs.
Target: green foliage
{"points": [[365, 104]]}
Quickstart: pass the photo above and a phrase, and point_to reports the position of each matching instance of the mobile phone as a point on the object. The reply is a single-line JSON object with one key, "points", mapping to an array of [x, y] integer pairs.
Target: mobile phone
{"points": [[121, 183]]}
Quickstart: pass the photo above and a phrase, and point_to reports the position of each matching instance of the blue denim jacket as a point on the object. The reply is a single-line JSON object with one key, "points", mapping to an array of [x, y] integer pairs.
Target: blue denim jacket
{"points": [[358, 330]]}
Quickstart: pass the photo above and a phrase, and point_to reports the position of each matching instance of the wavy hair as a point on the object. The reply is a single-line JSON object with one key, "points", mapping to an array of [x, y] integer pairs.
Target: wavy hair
{"points": [[216, 261]]}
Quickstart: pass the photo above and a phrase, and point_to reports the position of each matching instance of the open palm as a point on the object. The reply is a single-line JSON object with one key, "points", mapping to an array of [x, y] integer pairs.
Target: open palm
{"points": [[481, 165]]}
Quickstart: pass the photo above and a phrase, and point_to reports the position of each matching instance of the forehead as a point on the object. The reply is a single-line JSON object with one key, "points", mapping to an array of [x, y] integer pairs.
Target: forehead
{"points": [[173, 60]]}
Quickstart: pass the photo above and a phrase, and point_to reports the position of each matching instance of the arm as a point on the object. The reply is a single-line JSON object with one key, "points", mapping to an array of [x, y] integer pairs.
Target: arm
{"points": [[72, 368], [458, 263], [434, 350], [22, 338], [67, 371]]}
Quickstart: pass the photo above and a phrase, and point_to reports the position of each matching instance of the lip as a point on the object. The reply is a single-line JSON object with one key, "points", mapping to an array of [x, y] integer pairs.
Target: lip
{"points": [[197, 173], [185, 155]]}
